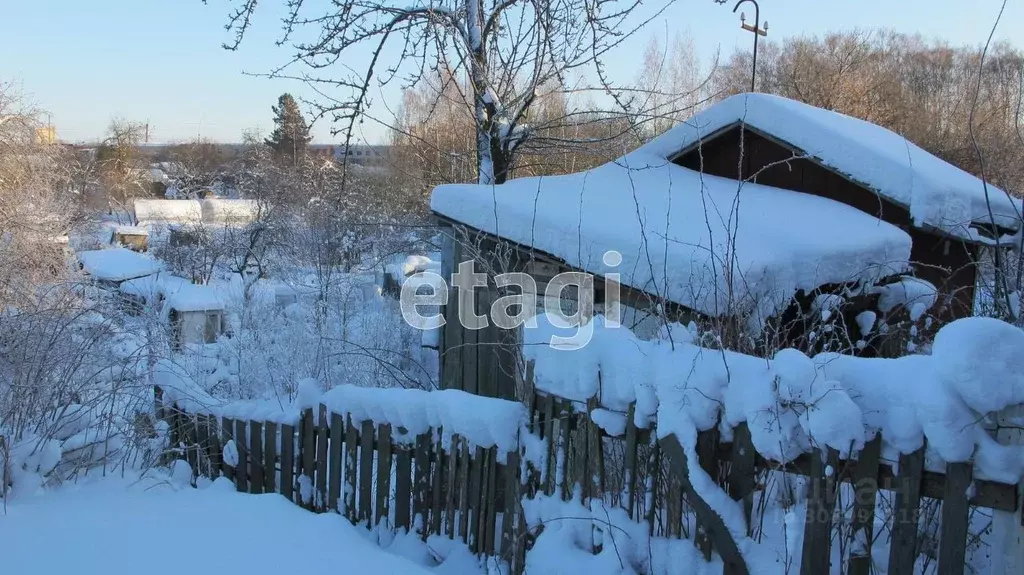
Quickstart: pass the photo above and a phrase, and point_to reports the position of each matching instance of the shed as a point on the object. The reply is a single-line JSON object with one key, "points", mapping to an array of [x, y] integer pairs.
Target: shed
{"points": [[112, 266], [196, 314], [948, 213], [135, 238], [701, 247]]}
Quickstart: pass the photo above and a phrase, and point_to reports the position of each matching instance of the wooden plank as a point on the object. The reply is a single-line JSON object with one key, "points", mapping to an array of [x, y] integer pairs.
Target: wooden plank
{"points": [[464, 491], [350, 487], [334, 456], [307, 438], [203, 447], [187, 435], [472, 516], [552, 432], [214, 448], [903, 540], [242, 469], [227, 427], [653, 470], [255, 457], [383, 473], [482, 502], [270, 457], [470, 375], [322, 431], [421, 488], [491, 500], [451, 354], [565, 446], [288, 462], [486, 344], [366, 472], [437, 479], [707, 443], [817, 545], [452, 487], [629, 491], [510, 514], [722, 540], [955, 519], [674, 508], [403, 487], [742, 471], [595, 452], [865, 495]]}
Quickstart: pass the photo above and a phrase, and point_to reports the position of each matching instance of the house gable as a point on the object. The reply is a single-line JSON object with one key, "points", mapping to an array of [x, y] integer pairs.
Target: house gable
{"points": [[742, 152]]}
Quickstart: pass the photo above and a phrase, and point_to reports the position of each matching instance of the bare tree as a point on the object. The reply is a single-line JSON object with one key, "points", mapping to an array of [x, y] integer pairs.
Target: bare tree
{"points": [[508, 51], [38, 203], [123, 174]]}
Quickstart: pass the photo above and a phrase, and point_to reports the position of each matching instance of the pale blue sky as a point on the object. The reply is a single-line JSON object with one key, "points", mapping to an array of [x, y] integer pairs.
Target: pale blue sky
{"points": [[160, 60]]}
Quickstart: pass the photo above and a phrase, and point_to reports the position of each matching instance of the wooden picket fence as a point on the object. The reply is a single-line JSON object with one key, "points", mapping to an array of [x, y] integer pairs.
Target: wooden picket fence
{"points": [[374, 474], [649, 479]]}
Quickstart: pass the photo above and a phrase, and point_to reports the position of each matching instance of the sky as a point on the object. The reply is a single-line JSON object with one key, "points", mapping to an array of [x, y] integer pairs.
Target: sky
{"points": [[161, 62]]}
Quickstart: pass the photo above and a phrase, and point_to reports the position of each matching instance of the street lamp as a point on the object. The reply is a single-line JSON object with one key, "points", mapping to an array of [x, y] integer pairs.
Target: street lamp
{"points": [[757, 30]]}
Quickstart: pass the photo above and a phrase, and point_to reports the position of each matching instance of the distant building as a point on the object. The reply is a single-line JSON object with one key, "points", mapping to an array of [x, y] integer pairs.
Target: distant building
{"points": [[46, 135]]}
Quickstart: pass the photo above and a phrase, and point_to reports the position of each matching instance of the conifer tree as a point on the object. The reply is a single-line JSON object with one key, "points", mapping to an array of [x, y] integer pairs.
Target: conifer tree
{"points": [[290, 137]]}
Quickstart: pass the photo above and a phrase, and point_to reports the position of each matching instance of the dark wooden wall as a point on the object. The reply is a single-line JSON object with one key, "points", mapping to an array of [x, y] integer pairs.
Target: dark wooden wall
{"points": [[479, 361], [946, 262]]}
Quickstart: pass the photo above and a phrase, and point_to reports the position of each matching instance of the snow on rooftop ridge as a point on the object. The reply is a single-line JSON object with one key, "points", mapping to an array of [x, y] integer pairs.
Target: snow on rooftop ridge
{"points": [[937, 193], [118, 264], [653, 213], [975, 368]]}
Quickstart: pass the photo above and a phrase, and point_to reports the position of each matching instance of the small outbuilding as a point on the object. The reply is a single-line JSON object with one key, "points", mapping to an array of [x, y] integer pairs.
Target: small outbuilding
{"points": [[135, 238], [196, 314]]}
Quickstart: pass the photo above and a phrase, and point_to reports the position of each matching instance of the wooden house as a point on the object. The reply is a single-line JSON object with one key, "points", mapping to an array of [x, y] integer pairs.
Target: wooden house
{"points": [[752, 216], [949, 214]]}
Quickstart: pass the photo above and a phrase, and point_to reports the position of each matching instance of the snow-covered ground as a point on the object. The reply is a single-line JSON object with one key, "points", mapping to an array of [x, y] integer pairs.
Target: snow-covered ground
{"points": [[151, 526]]}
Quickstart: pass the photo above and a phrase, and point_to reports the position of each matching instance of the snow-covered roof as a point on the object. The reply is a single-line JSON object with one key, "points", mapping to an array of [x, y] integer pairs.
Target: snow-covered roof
{"points": [[676, 230], [149, 286], [118, 264], [131, 230], [190, 297], [936, 193]]}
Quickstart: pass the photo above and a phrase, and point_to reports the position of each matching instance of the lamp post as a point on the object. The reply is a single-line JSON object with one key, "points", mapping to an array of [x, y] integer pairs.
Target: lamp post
{"points": [[757, 30]]}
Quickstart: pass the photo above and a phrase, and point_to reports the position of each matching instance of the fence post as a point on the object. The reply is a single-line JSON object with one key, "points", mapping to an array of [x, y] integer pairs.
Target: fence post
{"points": [[903, 546], [307, 439], [955, 515], [865, 494], [817, 548], [1008, 526]]}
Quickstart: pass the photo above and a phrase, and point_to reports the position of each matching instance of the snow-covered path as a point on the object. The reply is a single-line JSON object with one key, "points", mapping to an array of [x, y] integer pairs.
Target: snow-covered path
{"points": [[111, 527]]}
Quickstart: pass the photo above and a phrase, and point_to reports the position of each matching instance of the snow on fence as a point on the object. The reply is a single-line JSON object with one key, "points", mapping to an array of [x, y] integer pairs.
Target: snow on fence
{"points": [[443, 463], [458, 465]]}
